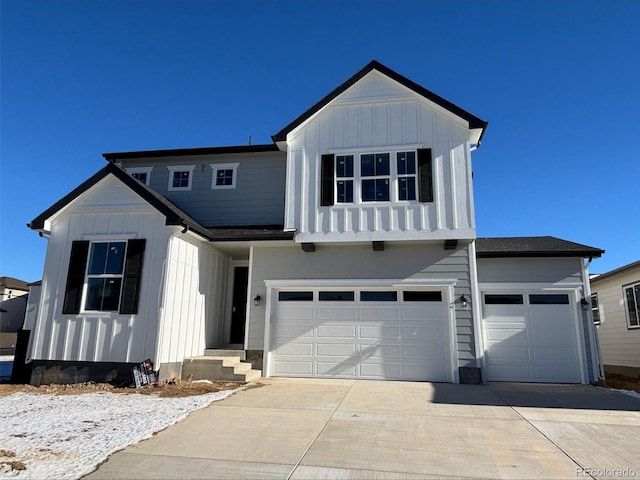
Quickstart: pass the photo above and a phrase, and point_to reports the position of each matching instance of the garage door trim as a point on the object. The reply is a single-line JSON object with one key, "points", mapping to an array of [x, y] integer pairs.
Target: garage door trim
{"points": [[445, 285]]}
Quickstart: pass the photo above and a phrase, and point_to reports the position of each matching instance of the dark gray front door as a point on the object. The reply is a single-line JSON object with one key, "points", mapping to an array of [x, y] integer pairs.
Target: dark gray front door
{"points": [[239, 309]]}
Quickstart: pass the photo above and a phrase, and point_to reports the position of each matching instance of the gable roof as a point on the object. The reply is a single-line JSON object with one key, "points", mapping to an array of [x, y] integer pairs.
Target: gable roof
{"points": [[501, 247], [14, 283], [611, 273], [173, 214], [474, 122]]}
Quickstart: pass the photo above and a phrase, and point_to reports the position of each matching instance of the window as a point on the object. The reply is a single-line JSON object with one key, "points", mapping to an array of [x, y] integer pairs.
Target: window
{"points": [[406, 166], [344, 175], [379, 296], [143, 174], [224, 175], [181, 177], [376, 177], [506, 299], [375, 173], [549, 299], [295, 296], [414, 296], [595, 311], [632, 303], [336, 296], [106, 274]]}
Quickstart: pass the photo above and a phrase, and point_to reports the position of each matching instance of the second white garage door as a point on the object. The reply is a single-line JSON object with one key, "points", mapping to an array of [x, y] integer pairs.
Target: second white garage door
{"points": [[530, 337], [357, 333]]}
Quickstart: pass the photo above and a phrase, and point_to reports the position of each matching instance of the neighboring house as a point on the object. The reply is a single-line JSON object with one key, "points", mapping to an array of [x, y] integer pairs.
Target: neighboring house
{"points": [[615, 301], [346, 248], [12, 287]]}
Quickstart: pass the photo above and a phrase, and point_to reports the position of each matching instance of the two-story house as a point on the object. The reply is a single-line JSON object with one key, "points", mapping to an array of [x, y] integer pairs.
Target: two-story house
{"points": [[346, 248]]}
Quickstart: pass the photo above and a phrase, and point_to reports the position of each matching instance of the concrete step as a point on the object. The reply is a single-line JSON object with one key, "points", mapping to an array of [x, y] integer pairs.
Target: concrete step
{"points": [[218, 368], [228, 352]]}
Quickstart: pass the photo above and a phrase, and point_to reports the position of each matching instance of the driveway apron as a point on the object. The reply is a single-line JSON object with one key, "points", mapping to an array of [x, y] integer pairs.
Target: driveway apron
{"points": [[325, 429]]}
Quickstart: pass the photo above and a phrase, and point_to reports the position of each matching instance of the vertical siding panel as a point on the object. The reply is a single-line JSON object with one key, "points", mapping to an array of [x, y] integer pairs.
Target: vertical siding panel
{"points": [[352, 139], [411, 123], [396, 123], [380, 125], [366, 126]]}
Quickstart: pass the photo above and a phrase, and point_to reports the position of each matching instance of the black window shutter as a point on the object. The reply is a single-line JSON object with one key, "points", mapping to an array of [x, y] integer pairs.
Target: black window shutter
{"points": [[327, 180], [425, 175], [131, 279], [75, 276]]}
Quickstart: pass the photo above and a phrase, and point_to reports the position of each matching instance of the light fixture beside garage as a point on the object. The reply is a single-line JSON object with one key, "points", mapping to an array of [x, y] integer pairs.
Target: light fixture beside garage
{"points": [[584, 304], [256, 301], [464, 301]]}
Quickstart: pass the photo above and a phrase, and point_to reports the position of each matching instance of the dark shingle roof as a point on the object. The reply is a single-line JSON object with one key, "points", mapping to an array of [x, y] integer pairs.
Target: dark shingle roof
{"points": [[173, 214], [252, 232], [180, 152], [15, 283], [488, 247], [474, 122]]}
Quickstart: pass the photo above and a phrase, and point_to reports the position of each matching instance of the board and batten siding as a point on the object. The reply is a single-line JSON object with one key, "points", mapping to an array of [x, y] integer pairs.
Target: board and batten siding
{"points": [[257, 199], [619, 345], [193, 300], [108, 211], [379, 115], [412, 260]]}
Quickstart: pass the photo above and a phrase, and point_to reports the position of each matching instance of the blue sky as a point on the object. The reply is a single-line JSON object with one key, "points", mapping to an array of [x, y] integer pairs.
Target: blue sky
{"points": [[559, 83]]}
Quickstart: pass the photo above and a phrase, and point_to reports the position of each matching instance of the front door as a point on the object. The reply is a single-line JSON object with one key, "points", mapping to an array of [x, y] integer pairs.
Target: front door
{"points": [[239, 306]]}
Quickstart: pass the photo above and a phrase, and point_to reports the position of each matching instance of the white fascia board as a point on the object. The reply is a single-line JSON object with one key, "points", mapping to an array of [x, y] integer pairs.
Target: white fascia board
{"points": [[399, 235], [534, 286]]}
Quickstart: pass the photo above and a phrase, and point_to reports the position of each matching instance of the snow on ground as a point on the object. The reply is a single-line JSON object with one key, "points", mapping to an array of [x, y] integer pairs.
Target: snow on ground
{"points": [[68, 436], [627, 392]]}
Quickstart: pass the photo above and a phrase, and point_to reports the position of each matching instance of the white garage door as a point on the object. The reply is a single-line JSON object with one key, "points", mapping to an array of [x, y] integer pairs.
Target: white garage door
{"points": [[530, 337], [378, 334]]}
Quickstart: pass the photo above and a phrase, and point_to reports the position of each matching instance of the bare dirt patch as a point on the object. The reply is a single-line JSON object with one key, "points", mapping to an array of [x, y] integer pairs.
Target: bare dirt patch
{"points": [[621, 382], [167, 388]]}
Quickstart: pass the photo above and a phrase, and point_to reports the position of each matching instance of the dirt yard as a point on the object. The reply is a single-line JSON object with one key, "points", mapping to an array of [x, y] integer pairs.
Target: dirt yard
{"points": [[168, 388], [621, 382]]}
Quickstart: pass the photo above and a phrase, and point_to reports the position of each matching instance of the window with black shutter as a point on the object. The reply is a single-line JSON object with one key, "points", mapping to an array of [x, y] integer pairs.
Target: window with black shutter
{"points": [[425, 175], [111, 272], [327, 179]]}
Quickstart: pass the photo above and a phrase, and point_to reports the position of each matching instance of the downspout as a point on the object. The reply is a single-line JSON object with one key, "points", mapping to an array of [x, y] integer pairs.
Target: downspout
{"points": [[597, 363]]}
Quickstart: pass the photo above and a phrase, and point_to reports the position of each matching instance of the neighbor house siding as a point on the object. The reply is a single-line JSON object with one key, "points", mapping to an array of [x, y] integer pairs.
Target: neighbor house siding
{"points": [[257, 199], [419, 260], [378, 115], [193, 300], [108, 211], [620, 345]]}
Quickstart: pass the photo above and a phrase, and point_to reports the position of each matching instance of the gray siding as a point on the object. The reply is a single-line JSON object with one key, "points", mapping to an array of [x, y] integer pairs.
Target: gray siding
{"points": [[407, 261], [258, 198], [530, 270]]}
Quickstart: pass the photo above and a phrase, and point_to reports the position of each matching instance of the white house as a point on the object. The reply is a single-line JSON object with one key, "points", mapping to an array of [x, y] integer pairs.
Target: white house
{"points": [[615, 300], [346, 248]]}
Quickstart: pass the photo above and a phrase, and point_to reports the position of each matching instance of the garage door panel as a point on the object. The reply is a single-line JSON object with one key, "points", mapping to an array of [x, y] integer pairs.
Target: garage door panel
{"points": [[294, 348], [379, 331], [294, 367], [379, 370], [381, 312], [556, 373], [338, 369], [425, 314], [335, 314], [336, 331], [424, 333], [379, 352], [554, 356], [294, 331], [506, 354], [511, 336], [336, 349]]}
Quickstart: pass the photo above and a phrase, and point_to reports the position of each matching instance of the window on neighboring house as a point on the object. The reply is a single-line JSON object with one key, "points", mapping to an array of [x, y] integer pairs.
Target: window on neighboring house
{"points": [[595, 310], [181, 177], [224, 175], [106, 274], [142, 174], [632, 302], [376, 177]]}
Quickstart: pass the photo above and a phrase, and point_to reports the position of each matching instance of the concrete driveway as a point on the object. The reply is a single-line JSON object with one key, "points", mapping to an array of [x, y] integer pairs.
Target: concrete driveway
{"points": [[343, 429]]}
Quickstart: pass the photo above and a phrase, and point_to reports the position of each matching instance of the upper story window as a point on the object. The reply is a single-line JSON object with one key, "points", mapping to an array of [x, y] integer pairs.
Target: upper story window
{"points": [[632, 303], [224, 175], [104, 276], [181, 177], [377, 177], [143, 174]]}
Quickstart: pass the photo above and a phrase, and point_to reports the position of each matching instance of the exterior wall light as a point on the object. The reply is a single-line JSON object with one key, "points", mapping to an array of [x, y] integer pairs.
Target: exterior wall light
{"points": [[256, 301], [464, 302], [584, 304]]}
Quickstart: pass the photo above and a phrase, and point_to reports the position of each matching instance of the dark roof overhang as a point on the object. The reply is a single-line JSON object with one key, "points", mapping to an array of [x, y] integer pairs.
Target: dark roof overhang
{"points": [[181, 152], [474, 122], [173, 214], [512, 247]]}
